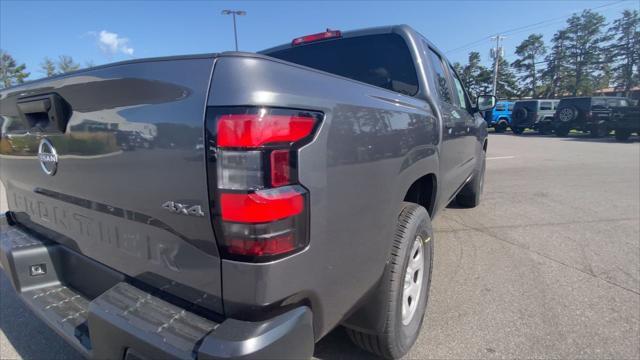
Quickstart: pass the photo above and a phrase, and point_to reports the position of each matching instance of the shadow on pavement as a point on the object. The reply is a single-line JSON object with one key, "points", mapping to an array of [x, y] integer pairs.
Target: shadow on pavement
{"points": [[572, 137], [337, 345], [608, 139]]}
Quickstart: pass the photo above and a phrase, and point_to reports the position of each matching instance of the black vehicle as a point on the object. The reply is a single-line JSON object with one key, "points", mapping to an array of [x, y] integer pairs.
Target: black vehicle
{"points": [[286, 193], [588, 114], [625, 120], [533, 114]]}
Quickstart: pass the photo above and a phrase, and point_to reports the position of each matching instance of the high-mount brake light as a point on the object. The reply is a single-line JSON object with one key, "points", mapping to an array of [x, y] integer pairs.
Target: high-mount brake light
{"points": [[260, 210], [329, 34]]}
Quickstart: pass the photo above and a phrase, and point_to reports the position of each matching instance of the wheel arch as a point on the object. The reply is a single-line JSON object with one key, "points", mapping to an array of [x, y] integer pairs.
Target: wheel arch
{"points": [[423, 192]]}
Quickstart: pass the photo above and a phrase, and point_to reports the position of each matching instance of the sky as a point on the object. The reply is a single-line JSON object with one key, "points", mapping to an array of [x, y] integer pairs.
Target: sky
{"points": [[100, 32]]}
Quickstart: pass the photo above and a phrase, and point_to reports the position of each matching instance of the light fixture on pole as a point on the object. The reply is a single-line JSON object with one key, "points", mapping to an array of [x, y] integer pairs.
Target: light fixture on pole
{"points": [[234, 13]]}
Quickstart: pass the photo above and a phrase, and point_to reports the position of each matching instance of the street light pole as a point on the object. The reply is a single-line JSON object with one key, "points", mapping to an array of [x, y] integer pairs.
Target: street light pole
{"points": [[234, 13]]}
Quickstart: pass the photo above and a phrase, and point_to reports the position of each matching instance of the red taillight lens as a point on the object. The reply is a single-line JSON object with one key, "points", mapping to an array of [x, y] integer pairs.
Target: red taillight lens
{"points": [[261, 212], [329, 34], [261, 206], [254, 130], [280, 168], [273, 246]]}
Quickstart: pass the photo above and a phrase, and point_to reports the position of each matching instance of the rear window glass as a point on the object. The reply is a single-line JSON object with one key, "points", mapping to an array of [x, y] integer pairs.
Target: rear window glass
{"points": [[500, 107], [582, 103], [381, 60], [510, 106], [598, 102], [617, 102], [530, 105]]}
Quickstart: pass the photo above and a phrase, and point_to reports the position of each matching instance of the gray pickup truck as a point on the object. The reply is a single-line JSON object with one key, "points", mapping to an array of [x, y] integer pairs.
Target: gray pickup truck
{"points": [[238, 205]]}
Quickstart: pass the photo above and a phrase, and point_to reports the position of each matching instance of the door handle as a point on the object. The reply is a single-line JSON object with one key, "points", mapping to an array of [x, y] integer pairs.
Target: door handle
{"points": [[49, 112]]}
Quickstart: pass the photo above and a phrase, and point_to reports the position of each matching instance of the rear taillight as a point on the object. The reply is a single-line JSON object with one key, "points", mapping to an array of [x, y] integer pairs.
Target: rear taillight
{"points": [[260, 209]]}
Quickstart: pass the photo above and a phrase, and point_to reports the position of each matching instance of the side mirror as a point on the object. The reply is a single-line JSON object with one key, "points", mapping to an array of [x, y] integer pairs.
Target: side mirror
{"points": [[485, 102]]}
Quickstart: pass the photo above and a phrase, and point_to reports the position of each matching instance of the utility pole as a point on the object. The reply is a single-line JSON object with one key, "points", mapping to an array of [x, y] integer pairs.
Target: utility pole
{"points": [[496, 53], [234, 13]]}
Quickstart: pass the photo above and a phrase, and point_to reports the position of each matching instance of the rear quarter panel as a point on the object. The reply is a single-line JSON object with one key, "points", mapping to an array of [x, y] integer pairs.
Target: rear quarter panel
{"points": [[370, 147]]}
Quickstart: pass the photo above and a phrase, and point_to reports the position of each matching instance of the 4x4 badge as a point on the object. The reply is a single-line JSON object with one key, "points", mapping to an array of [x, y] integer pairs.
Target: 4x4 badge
{"points": [[183, 209]]}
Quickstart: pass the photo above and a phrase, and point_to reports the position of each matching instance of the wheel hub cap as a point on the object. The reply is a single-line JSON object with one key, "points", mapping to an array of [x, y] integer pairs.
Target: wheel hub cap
{"points": [[413, 281]]}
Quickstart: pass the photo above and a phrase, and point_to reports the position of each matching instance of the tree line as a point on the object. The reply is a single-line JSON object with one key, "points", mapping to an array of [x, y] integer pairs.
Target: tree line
{"points": [[584, 56], [12, 73]]}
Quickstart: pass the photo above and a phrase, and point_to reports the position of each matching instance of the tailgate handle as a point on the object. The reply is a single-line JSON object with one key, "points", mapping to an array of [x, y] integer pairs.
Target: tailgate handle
{"points": [[49, 112]]}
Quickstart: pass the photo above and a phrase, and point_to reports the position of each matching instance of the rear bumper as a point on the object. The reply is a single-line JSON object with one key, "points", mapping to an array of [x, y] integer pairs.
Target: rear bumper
{"points": [[105, 315]]}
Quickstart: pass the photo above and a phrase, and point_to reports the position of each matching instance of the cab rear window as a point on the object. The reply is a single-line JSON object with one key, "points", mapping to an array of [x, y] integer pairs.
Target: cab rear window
{"points": [[381, 60]]}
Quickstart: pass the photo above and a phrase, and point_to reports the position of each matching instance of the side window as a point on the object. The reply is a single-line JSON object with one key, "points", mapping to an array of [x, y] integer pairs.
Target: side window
{"points": [[444, 91], [617, 102], [462, 99], [545, 105], [500, 107], [510, 107], [598, 103]]}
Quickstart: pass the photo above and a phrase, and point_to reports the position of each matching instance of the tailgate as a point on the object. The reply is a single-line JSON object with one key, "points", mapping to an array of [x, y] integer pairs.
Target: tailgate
{"points": [[126, 184]]}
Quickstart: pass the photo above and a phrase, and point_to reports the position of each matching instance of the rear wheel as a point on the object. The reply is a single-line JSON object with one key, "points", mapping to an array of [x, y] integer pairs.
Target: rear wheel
{"points": [[598, 131], [622, 134], [501, 126], [545, 130], [405, 285], [562, 130], [517, 130]]}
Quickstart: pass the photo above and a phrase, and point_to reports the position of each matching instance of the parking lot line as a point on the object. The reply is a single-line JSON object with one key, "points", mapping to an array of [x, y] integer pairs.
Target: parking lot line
{"points": [[500, 157]]}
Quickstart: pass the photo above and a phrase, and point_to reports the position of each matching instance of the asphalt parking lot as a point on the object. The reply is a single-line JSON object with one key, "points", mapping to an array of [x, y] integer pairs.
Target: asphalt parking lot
{"points": [[547, 267]]}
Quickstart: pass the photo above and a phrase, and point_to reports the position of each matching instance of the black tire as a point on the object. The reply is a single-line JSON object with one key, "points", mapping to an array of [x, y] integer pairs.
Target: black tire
{"points": [[562, 130], [397, 338], [598, 131], [501, 126], [622, 134], [517, 130], [545, 130], [470, 194]]}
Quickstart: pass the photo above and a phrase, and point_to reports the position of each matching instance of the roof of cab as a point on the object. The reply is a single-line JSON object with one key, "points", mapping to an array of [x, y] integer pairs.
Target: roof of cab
{"points": [[347, 34]]}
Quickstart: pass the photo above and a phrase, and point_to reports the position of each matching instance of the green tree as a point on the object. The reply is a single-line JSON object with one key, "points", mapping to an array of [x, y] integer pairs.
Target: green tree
{"points": [[556, 73], [475, 77], [625, 50], [529, 51], [507, 84], [10, 72], [48, 67], [66, 64], [585, 43]]}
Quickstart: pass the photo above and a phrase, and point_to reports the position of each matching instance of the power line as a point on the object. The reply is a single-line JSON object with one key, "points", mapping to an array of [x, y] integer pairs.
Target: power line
{"points": [[529, 27]]}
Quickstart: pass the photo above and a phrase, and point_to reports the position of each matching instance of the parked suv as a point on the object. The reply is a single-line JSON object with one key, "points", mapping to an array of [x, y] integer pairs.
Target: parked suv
{"points": [[625, 120], [588, 114], [500, 117], [308, 207], [533, 114]]}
